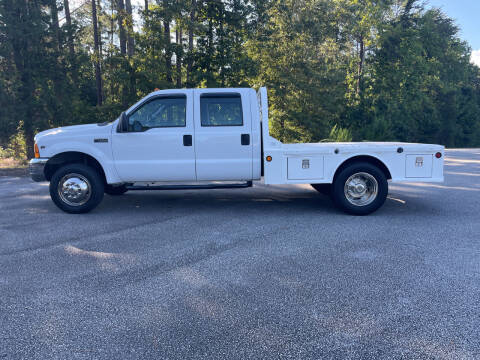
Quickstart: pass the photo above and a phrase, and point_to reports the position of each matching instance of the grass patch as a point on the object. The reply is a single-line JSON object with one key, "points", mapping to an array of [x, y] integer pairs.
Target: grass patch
{"points": [[13, 167]]}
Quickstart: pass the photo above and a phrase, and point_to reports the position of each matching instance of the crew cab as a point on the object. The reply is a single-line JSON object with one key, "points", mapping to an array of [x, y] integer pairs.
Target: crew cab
{"points": [[216, 138]]}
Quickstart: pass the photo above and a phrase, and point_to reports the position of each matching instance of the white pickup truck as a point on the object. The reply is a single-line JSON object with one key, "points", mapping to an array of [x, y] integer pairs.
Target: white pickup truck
{"points": [[216, 138]]}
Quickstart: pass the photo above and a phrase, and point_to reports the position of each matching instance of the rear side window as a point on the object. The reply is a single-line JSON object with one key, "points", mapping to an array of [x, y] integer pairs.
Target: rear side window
{"points": [[159, 112], [221, 110]]}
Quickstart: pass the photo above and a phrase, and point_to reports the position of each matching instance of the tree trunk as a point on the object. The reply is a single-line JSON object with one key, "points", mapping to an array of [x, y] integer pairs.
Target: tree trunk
{"points": [[98, 75], [58, 68], [210, 53], [112, 24], [168, 50], [20, 50], [111, 50], [190, 43], [221, 53], [68, 18], [130, 41], [71, 48], [179, 40], [122, 36], [146, 7], [99, 27], [100, 46], [55, 27], [361, 62]]}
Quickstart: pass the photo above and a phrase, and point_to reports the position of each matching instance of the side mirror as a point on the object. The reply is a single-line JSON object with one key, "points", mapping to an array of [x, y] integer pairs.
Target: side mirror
{"points": [[123, 123]]}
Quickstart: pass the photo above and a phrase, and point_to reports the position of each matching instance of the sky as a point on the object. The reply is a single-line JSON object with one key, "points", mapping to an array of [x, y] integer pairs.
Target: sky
{"points": [[466, 14]]}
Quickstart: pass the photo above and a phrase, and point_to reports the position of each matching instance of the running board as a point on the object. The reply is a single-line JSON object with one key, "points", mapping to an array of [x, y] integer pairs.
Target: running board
{"points": [[192, 187]]}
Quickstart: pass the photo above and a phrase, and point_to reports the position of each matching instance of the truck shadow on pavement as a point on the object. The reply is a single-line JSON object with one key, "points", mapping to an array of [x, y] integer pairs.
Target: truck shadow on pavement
{"points": [[402, 199], [300, 200]]}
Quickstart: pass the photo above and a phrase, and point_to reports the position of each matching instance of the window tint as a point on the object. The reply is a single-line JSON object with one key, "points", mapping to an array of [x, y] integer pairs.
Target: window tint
{"points": [[159, 112], [221, 110]]}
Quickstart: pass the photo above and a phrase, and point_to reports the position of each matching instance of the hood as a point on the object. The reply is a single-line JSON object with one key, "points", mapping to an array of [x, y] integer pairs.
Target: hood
{"points": [[73, 131]]}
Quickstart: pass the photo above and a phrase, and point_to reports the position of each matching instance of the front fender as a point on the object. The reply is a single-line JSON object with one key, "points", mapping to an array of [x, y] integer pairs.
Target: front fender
{"points": [[101, 152]]}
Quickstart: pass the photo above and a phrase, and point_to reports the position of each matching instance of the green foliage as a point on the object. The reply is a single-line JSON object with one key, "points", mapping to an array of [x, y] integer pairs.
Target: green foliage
{"points": [[338, 134], [15, 148], [335, 69], [421, 73], [298, 60]]}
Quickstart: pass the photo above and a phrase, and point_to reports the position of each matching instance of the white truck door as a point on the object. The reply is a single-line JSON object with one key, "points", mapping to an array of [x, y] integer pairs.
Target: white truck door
{"points": [[223, 138], [158, 145]]}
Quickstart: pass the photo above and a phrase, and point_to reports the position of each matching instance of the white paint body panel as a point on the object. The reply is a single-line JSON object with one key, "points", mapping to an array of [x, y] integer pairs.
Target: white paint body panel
{"points": [[304, 167], [219, 152], [419, 166], [158, 155], [80, 138]]}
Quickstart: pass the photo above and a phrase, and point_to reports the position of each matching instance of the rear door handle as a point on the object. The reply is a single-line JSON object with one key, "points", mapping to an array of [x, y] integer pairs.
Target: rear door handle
{"points": [[187, 140], [245, 139]]}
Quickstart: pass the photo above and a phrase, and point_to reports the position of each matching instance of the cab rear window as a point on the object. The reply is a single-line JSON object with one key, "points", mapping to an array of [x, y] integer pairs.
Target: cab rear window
{"points": [[221, 110]]}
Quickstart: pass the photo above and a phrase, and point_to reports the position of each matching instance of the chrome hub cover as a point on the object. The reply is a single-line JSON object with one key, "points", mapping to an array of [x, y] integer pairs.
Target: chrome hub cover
{"points": [[74, 189], [361, 189]]}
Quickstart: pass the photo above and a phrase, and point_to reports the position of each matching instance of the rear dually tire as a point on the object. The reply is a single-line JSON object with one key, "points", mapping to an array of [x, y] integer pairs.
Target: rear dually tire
{"points": [[360, 188]]}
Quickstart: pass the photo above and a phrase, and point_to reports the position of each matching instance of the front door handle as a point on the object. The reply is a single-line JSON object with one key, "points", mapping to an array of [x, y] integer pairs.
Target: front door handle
{"points": [[187, 140], [245, 139]]}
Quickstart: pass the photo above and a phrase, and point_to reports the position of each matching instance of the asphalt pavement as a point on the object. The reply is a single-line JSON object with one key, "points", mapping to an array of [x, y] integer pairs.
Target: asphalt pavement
{"points": [[269, 272]]}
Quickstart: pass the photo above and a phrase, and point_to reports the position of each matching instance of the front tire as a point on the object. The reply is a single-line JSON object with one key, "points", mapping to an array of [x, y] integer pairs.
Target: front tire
{"points": [[76, 188], [360, 189]]}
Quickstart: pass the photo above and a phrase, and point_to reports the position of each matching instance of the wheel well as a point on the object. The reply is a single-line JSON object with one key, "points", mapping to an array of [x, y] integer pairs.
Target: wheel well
{"points": [[365, 158], [72, 157]]}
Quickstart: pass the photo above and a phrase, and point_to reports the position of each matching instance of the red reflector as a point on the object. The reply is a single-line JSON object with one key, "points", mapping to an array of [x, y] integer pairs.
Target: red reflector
{"points": [[438, 155]]}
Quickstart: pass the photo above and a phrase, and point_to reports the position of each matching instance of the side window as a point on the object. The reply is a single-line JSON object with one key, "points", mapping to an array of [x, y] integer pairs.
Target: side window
{"points": [[221, 110], [159, 112]]}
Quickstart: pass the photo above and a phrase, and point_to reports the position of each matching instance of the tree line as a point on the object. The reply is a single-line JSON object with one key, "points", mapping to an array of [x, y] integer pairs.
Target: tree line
{"points": [[336, 70]]}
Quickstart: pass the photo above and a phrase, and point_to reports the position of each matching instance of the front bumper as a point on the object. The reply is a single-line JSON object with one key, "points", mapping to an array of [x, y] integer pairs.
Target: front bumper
{"points": [[36, 167]]}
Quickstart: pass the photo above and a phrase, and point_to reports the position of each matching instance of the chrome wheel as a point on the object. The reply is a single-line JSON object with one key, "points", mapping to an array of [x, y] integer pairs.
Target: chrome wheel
{"points": [[74, 189], [361, 189]]}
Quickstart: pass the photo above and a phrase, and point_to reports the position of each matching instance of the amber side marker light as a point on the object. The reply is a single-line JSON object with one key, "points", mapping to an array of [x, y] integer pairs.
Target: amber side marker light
{"points": [[269, 158], [438, 155], [37, 153]]}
